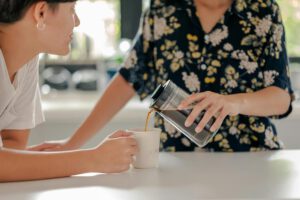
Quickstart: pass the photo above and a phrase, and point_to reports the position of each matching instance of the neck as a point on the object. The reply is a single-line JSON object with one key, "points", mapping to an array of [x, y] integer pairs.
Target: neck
{"points": [[214, 4], [18, 47]]}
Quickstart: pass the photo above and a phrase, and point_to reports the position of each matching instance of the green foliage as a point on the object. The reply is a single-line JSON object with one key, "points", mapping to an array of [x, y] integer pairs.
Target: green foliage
{"points": [[290, 10]]}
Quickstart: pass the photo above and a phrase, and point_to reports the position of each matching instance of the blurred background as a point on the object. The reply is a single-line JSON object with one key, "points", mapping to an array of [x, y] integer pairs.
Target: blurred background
{"points": [[71, 85]]}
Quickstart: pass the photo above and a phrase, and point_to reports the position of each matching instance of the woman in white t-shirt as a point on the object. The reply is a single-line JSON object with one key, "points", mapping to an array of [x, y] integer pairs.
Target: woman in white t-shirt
{"points": [[28, 28]]}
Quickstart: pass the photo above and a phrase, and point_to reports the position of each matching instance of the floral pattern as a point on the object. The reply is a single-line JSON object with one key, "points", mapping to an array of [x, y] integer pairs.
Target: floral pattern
{"points": [[245, 52]]}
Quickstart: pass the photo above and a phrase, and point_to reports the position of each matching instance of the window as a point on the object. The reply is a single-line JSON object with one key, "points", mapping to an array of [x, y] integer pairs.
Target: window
{"points": [[290, 10], [99, 31]]}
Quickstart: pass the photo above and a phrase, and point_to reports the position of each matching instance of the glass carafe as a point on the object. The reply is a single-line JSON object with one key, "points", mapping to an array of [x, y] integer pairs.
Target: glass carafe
{"points": [[166, 98]]}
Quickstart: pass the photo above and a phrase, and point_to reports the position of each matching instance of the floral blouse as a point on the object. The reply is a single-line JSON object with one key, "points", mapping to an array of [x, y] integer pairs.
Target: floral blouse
{"points": [[245, 52]]}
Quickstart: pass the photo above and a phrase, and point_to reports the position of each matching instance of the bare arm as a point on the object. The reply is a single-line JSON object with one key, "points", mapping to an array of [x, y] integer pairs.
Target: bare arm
{"points": [[113, 155], [21, 165], [115, 97], [266, 102], [15, 139]]}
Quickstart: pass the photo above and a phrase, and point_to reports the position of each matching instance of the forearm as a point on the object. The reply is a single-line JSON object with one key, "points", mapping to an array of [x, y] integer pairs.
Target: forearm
{"points": [[115, 97], [13, 144], [22, 165], [266, 102]]}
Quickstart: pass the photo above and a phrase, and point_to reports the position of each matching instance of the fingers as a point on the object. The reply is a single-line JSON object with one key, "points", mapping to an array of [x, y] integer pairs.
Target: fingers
{"points": [[219, 120], [127, 144], [209, 102], [133, 150], [196, 111], [211, 112]]}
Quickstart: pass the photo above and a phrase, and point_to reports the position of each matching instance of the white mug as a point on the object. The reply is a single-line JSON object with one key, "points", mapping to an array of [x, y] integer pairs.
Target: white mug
{"points": [[148, 144]]}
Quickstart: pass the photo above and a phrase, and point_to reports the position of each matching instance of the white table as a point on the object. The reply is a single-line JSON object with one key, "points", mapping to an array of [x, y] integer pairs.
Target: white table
{"points": [[264, 175]]}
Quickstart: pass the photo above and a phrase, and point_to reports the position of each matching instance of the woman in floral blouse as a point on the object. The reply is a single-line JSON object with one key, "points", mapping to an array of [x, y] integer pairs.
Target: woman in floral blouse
{"points": [[230, 53]]}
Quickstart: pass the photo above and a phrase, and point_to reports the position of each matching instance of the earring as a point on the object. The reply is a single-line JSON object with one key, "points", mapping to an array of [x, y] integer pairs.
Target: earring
{"points": [[40, 26]]}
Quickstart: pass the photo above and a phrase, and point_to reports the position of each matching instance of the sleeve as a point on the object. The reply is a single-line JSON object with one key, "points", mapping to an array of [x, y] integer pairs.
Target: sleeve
{"points": [[275, 58], [28, 108], [138, 68]]}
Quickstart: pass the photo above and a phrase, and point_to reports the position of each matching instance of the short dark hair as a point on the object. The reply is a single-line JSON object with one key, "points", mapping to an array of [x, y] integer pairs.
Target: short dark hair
{"points": [[13, 10]]}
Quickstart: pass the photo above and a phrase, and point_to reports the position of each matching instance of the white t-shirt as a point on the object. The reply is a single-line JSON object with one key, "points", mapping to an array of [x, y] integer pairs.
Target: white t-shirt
{"points": [[20, 102]]}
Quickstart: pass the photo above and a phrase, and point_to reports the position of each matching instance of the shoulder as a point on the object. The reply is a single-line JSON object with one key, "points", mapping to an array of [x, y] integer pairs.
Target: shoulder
{"points": [[258, 9], [262, 6], [158, 4]]}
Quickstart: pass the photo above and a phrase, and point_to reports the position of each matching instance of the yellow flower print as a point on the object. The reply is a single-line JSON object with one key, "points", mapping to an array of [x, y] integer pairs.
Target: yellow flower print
{"points": [[262, 3], [158, 121], [233, 118], [162, 47], [254, 138], [170, 56], [249, 90], [193, 47], [196, 55], [224, 143], [151, 21], [218, 137], [255, 7], [223, 81], [170, 44], [210, 80], [254, 149], [175, 66], [240, 5], [159, 63], [145, 76], [223, 54], [245, 140], [146, 46], [216, 63], [211, 71], [191, 37], [172, 53], [230, 70], [252, 120], [143, 95], [246, 27], [242, 126], [171, 149], [258, 128]]}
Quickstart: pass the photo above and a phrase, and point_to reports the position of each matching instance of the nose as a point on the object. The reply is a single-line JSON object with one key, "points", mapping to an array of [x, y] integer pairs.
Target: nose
{"points": [[76, 20]]}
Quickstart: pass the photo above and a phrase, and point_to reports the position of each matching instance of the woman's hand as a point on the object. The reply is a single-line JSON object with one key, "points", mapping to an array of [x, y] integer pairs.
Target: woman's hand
{"points": [[214, 105]]}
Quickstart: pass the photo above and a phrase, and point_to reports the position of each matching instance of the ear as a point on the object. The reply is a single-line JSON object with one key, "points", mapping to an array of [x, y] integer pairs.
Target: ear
{"points": [[40, 12]]}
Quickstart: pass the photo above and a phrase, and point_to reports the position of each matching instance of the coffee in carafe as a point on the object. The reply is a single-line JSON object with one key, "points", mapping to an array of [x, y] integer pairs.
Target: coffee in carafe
{"points": [[166, 98]]}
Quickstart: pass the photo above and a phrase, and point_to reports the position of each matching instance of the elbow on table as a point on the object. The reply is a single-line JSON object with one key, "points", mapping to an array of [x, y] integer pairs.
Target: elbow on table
{"points": [[284, 103]]}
